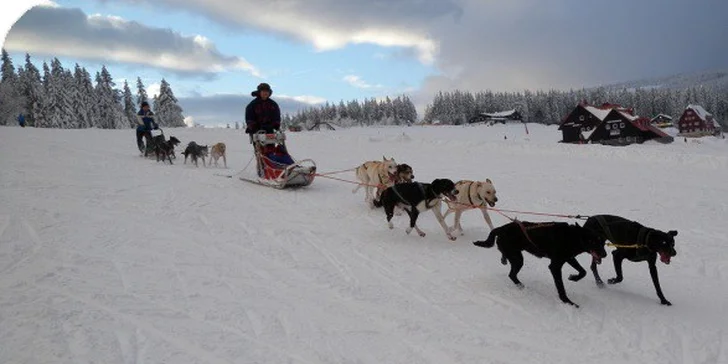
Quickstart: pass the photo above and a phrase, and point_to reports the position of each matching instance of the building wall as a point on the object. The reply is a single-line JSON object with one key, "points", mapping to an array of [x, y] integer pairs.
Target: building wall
{"points": [[579, 121]]}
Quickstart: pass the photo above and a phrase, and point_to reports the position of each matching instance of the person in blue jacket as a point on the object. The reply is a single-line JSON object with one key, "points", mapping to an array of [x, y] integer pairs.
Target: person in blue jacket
{"points": [[146, 123], [262, 113], [21, 120]]}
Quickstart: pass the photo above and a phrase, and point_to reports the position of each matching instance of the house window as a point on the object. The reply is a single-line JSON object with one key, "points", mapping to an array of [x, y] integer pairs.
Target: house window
{"points": [[581, 118], [621, 125]]}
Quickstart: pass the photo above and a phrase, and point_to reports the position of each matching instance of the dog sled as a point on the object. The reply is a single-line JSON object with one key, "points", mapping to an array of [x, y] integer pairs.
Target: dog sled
{"points": [[156, 139], [275, 166]]}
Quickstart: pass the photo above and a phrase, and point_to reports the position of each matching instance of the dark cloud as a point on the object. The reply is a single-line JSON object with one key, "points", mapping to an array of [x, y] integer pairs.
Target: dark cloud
{"points": [[64, 32], [330, 24]]}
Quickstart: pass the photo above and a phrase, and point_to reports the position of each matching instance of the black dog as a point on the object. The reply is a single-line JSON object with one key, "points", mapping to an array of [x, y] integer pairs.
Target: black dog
{"points": [[165, 150], [415, 197], [196, 152], [559, 242], [637, 244]]}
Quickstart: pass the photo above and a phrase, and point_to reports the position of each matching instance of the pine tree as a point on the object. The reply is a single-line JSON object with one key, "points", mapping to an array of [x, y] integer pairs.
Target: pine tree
{"points": [[59, 105], [110, 111], [141, 92], [168, 112], [8, 70], [11, 100], [129, 107]]}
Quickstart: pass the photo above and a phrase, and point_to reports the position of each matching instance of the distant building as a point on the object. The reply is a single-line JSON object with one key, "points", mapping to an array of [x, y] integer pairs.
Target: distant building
{"points": [[609, 124], [583, 120], [662, 121], [622, 128], [697, 122], [501, 117]]}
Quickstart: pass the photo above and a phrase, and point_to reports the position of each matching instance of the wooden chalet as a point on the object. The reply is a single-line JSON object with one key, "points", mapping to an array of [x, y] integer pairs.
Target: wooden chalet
{"points": [[697, 122], [621, 127], [578, 126], [662, 121], [501, 117]]}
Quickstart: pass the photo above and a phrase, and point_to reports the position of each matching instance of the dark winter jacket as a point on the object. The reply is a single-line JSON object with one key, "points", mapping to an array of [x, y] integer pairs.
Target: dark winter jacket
{"points": [[21, 120], [145, 121], [262, 115]]}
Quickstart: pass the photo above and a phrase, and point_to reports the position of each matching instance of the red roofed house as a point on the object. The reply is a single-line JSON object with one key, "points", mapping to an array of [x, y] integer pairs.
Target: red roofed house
{"points": [[578, 126], [622, 127], [696, 122]]}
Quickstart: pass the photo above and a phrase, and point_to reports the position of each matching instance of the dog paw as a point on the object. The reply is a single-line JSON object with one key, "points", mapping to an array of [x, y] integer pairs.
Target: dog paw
{"points": [[422, 234], [452, 238], [520, 286], [504, 261], [573, 304], [666, 303], [391, 226], [613, 280], [575, 277], [600, 284]]}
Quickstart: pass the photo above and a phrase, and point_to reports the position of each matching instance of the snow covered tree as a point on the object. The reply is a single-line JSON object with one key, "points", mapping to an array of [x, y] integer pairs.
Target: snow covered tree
{"points": [[11, 100], [168, 112], [141, 92], [110, 111], [129, 107], [31, 91], [84, 103], [8, 70], [59, 104]]}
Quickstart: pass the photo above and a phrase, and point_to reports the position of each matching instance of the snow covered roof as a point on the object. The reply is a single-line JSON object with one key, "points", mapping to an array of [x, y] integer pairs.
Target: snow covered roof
{"points": [[598, 112], [662, 116], [702, 113], [628, 116], [499, 114]]}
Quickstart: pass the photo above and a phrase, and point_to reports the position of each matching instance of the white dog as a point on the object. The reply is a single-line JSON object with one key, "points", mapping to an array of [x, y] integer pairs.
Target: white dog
{"points": [[375, 173], [472, 195]]}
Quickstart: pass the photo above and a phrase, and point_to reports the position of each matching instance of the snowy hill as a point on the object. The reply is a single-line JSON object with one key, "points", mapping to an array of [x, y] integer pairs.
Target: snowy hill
{"points": [[106, 257], [714, 79]]}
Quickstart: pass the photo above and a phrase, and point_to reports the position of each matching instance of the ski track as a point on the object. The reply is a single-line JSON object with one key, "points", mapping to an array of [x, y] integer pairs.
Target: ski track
{"points": [[108, 257]]}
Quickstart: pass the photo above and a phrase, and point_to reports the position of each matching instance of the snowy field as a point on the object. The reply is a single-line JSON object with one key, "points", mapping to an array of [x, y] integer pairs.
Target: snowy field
{"points": [[106, 257]]}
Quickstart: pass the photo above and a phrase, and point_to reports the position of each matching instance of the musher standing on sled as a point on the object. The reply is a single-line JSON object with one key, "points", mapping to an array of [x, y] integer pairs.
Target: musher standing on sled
{"points": [[263, 114], [146, 123]]}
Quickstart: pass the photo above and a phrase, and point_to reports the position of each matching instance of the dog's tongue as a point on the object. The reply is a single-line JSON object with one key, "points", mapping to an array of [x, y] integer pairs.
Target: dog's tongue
{"points": [[596, 257], [664, 257]]}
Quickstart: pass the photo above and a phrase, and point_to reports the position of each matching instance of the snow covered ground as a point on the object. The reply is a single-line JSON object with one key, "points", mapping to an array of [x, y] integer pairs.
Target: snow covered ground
{"points": [[106, 257]]}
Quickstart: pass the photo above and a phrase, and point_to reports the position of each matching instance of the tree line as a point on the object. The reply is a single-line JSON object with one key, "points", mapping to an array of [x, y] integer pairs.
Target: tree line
{"points": [[62, 98], [551, 107], [397, 111]]}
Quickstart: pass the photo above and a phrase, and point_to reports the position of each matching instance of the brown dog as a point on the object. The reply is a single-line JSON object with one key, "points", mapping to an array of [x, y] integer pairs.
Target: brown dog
{"points": [[217, 152]]}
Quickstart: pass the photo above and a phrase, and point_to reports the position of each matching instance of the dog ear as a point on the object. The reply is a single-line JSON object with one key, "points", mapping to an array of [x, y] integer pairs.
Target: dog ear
{"points": [[384, 159], [487, 180], [672, 233]]}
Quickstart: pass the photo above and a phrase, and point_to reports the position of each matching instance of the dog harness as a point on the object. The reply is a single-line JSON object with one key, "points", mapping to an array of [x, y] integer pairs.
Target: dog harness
{"points": [[470, 199], [408, 203], [642, 237]]}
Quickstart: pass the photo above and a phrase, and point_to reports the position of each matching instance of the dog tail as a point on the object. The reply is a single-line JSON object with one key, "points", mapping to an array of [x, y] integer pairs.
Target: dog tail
{"points": [[488, 243]]}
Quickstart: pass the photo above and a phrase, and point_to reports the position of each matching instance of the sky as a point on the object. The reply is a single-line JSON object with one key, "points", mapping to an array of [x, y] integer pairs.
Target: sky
{"points": [[214, 52]]}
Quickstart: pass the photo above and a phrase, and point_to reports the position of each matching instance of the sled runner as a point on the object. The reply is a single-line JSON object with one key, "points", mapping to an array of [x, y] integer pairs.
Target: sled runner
{"points": [[275, 167]]}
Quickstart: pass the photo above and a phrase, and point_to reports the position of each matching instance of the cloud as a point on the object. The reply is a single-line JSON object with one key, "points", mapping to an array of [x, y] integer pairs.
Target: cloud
{"points": [[333, 24], [304, 99], [357, 82], [229, 108], [55, 31]]}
